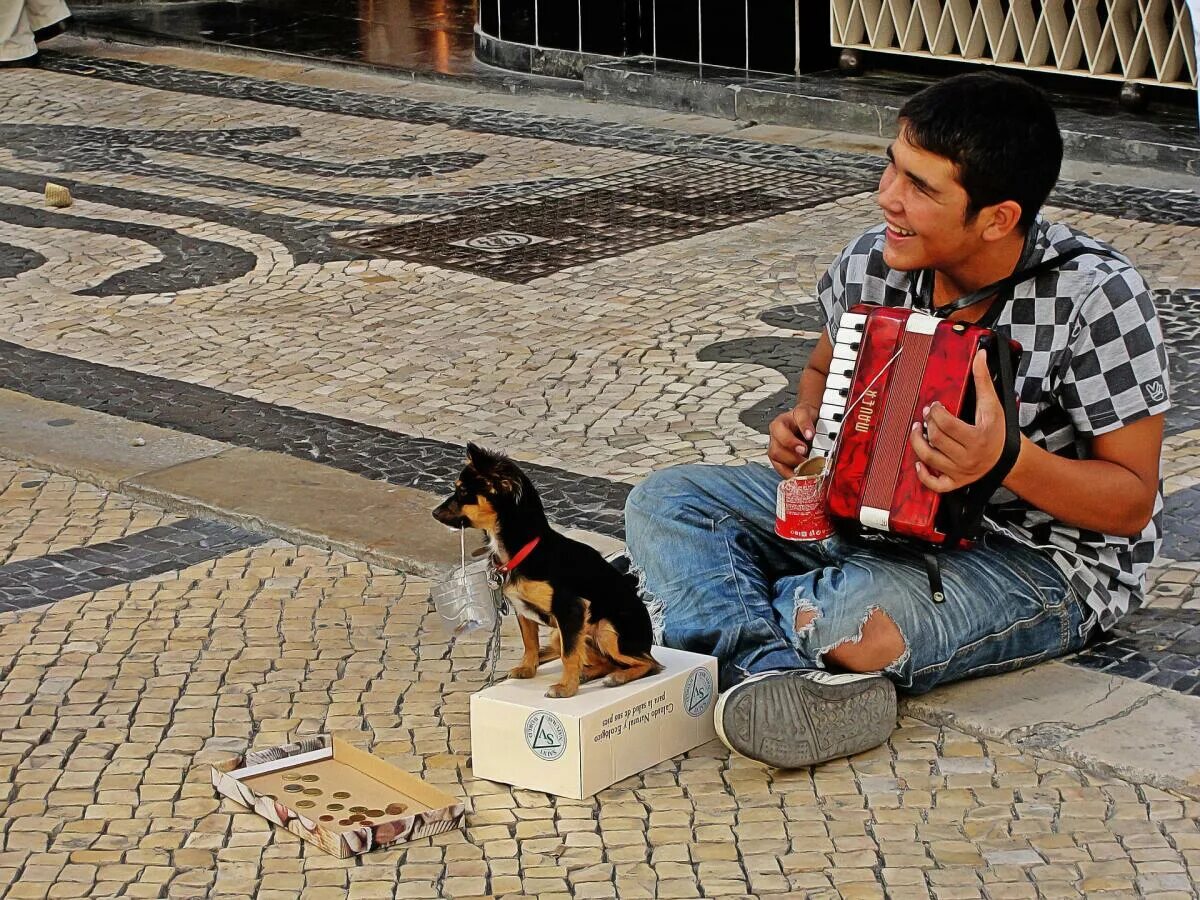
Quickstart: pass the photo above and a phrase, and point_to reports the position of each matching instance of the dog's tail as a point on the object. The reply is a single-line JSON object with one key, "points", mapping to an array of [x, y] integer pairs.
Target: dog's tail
{"points": [[636, 579]]}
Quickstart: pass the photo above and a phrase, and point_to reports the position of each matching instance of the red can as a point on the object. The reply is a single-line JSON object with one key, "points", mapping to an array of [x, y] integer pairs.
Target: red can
{"points": [[800, 504]]}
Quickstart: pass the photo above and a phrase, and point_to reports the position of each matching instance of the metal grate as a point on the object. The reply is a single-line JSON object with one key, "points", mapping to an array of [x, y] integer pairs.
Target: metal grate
{"points": [[1149, 41], [553, 228]]}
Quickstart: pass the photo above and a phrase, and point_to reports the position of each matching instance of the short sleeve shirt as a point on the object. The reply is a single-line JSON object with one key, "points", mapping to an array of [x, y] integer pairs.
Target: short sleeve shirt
{"points": [[1093, 361]]}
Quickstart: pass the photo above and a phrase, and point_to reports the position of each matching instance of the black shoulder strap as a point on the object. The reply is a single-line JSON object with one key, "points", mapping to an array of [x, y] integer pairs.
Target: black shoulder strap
{"points": [[974, 497], [1018, 277]]}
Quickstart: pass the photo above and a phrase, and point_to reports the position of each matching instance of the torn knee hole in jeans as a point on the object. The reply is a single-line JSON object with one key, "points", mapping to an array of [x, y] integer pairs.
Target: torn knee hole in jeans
{"points": [[806, 617], [857, 638]]}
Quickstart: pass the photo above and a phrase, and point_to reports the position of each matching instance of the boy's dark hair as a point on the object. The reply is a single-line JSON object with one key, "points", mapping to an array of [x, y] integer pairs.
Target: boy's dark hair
{"points": [[999, 131]]}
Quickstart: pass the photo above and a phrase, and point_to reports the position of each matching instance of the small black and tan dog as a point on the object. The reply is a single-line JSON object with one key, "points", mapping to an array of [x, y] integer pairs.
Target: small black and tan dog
{"points": [[603, 628]]}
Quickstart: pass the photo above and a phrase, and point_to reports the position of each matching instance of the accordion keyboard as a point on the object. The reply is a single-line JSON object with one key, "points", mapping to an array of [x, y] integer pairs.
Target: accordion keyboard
{"points": [[837, 386]]}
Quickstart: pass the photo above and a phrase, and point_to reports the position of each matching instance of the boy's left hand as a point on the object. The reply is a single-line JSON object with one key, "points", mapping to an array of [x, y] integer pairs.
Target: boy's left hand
{"points": [[956, 453]]}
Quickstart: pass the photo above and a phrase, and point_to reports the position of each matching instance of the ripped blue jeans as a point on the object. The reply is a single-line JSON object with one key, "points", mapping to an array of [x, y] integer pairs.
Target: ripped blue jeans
{"points": [[704, 539]]}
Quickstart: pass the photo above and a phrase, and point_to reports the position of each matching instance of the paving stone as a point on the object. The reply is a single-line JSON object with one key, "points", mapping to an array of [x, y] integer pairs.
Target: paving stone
{"points": [[258, 301]]}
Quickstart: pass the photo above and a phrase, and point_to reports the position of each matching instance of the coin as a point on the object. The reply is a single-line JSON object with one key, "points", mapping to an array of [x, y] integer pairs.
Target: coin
{"points": [[326, 818], [335, 807], [394, 809], [341, 795], [313, 792], [306, 804], [310, 777], [374, 812], [358, 817], [345, 822], [358, 809], [293, 788], [291, 776]]}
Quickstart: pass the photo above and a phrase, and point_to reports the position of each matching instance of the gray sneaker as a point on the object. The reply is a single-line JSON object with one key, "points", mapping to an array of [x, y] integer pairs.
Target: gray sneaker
{"points": [[803, 717]]}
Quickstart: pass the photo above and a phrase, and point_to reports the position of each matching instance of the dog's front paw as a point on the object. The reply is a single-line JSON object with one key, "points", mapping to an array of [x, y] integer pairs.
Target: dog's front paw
{"points": [[562, 690], [522, 672]]}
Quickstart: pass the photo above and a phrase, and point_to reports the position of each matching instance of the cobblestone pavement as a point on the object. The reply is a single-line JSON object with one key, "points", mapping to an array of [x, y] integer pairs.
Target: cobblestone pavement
{"points": [[113, 702], [45, 513], [367, 280]]}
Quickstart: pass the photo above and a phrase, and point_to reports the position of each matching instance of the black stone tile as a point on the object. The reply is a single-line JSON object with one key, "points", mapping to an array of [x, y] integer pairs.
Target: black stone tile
{"points": [[81, 570], [546, 231], [1135, 669], [723, 33], [1157, 646], [15, 261], [1088, 661]]}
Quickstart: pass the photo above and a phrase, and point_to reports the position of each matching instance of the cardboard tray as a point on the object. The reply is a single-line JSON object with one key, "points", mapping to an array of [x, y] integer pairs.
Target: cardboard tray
{"points": [[311, 788]]}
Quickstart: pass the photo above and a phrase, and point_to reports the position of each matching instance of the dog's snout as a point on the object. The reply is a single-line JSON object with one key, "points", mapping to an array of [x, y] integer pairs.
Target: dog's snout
{"points": [[449, 513]]}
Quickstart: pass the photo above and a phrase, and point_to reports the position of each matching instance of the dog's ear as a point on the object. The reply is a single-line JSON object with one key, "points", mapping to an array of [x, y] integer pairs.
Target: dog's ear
{"points": [[476, 456]]}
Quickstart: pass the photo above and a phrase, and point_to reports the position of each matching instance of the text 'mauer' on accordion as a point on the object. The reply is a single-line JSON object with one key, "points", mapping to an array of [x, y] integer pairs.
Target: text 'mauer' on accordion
{"points": [[889, 363]]}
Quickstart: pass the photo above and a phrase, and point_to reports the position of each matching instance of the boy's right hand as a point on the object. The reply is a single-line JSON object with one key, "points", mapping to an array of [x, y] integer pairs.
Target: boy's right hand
{"points": [[791, 438]]}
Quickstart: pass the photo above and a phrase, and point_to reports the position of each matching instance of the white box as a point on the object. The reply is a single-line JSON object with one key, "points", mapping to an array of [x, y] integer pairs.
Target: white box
{"points": [[577, 746]]}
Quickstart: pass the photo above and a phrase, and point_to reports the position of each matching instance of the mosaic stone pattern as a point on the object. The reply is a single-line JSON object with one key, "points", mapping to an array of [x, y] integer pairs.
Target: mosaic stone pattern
{"points": [[572, 500], [81, 570], [1128, 200], [547, 230], [15, 260], [119, 701], [1177, 310], [43, 513], [1156, 646], [213, 277]]}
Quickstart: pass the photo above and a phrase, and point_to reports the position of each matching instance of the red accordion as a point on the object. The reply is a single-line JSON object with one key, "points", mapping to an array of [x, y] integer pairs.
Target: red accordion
{"points": [[889, 363]]}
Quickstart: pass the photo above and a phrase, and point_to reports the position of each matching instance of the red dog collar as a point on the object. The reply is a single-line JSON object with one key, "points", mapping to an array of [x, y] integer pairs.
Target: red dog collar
{"points": [[518, 557]]}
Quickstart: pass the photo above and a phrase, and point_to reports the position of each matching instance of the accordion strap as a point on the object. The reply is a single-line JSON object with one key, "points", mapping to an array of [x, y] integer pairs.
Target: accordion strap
{"points": [[1018, 277], [976, 495]]}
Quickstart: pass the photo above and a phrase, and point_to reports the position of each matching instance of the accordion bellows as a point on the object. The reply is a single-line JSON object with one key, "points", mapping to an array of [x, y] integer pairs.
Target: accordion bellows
{"points": [[889, 363]]}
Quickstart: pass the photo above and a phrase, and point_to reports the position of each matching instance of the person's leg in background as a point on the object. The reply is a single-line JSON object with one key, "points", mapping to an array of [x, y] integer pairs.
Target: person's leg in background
{"points": [[24, 22]]}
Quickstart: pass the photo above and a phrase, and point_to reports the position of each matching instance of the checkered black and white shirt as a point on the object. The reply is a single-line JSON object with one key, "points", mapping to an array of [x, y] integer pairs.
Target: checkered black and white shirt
{"points": [[1093, 361]]}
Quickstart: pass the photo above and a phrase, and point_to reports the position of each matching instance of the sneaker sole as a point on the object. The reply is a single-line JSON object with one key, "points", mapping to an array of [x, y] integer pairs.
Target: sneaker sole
{"points": [[794, 722]]}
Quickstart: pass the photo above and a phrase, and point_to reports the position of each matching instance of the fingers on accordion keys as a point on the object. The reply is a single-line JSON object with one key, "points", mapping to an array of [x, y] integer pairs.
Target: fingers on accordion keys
{"points": [[822, 445], [825, 437]]}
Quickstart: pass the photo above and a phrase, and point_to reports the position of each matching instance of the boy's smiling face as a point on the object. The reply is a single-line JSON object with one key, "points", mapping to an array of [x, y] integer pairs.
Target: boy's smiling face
{"points": [[926, 211]]}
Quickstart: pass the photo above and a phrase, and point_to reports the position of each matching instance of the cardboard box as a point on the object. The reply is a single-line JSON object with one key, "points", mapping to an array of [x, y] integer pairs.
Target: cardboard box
{"points": [[577, 746], [340, 798]]}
